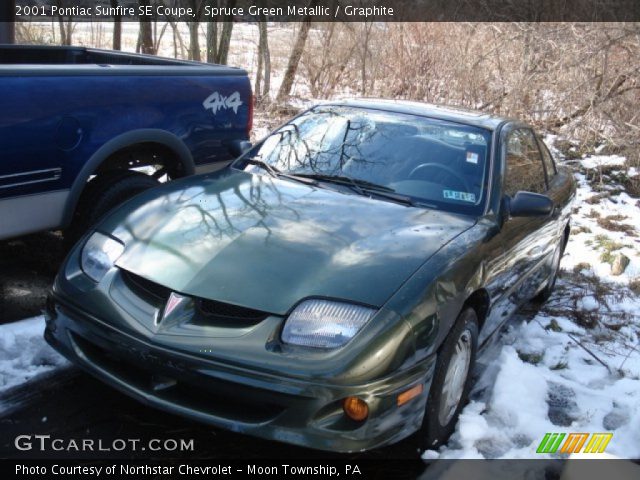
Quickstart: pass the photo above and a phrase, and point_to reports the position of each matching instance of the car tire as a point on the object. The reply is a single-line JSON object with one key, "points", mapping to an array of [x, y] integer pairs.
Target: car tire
{"points": [[102, 195], [443, 408], [546, 292]]}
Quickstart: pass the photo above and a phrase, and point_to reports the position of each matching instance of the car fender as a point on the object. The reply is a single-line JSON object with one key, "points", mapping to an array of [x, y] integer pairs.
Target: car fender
{"points": [[433, 297]]}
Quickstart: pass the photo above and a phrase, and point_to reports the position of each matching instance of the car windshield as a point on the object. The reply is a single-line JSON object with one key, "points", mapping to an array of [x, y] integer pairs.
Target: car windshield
{"points": [[387, 155]]}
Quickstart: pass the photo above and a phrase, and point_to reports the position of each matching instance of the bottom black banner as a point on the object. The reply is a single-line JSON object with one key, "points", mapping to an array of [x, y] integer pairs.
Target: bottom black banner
{"points": [[579, 469]]}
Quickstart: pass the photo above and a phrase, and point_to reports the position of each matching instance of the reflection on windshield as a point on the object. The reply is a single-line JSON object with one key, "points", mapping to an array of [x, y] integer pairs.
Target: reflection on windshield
{"points": [[429, 161]]}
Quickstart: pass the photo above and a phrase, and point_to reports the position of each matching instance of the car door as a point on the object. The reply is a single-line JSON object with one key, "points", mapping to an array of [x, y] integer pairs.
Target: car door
{"points": [[526, 241], [561, 190]]}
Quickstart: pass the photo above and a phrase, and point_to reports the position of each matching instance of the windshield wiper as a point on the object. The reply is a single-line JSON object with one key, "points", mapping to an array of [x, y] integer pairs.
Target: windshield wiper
{"points": [[366, 188], [274, 172], [344, 180], [400, 198]]}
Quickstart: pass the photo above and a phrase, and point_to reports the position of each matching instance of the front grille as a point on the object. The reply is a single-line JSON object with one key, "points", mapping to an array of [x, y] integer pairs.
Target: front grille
{"points": [[231, 312], [145, 288], [210, 312]]}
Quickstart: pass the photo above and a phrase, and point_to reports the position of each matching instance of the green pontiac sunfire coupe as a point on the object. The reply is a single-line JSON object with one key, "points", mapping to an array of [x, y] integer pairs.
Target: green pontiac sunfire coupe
{"points": [[329, 288]]}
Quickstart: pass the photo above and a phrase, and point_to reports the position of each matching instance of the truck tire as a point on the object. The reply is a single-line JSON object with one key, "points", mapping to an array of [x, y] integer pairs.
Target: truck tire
{"points": [[451, 380], [102, 195]]}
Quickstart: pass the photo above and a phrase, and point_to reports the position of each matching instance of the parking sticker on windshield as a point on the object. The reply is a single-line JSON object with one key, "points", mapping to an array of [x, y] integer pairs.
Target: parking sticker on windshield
{"points": [[472, 157], [463, 196]]}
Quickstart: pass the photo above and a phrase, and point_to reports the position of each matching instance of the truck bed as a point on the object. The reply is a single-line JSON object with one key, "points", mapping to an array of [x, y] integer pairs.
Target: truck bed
{"points": [[38, 59]]}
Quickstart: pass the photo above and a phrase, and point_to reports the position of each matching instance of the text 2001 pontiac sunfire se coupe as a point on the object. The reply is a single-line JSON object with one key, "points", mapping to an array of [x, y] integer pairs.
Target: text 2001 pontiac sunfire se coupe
{"points": [[331, 287]]}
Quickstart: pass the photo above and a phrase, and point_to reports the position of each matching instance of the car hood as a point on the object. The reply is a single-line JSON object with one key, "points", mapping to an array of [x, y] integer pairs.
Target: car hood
{"points": [[266, 243]]}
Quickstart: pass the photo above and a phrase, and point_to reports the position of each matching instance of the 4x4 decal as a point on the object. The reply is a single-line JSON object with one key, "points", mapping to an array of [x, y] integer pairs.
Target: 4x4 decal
{"points": [[215, 102]]}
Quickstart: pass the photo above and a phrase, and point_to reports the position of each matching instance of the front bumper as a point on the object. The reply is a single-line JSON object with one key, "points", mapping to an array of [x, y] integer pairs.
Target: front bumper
{"points": [[301, 412]]}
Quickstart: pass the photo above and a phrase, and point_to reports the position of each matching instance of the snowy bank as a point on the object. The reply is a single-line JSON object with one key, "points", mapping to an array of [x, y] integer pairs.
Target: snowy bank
{"points": [[24, 352]]}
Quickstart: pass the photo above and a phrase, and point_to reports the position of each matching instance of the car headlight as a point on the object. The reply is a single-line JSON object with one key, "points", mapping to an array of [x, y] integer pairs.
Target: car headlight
{"points": [[99, 255], [324, 324]]}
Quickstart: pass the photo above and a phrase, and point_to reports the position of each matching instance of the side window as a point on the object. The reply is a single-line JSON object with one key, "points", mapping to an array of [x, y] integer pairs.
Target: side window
{"points": [[524, 164], [547, 159]]}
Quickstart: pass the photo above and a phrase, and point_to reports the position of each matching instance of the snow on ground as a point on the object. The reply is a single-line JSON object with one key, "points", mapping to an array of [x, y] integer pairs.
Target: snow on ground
{"points": [[24, 353], [602, 161], [574, 365]]}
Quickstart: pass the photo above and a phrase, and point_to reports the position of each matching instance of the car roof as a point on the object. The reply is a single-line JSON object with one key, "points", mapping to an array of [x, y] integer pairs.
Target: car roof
{"points": [[441, 112]]}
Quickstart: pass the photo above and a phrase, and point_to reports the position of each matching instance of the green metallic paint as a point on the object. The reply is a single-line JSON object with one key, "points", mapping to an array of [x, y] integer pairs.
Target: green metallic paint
{"points": [[267, 243]]}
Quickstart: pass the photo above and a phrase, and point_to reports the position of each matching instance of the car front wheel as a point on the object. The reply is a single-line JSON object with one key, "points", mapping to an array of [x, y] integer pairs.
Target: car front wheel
{"points": [[451, 383]]}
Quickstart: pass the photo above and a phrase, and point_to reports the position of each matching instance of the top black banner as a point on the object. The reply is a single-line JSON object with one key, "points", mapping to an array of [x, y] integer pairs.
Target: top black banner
{"points": [[328, 10]]}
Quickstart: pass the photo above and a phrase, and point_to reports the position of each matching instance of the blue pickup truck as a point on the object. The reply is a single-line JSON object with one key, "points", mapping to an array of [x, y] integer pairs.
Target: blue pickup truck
{"points": [[82, 130]]}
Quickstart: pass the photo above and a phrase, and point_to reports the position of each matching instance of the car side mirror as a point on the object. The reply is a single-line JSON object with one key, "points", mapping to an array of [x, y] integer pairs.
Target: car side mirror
{"points": [[529, 204], [239, 147]]}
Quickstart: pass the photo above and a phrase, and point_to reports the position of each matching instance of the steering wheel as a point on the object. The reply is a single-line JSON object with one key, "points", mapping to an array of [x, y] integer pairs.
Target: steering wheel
{"points": [[439, 166]]}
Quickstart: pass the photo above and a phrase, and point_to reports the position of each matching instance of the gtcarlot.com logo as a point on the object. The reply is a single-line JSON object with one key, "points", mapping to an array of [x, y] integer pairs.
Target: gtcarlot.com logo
{"points": [[574, 443], [44, 443]]}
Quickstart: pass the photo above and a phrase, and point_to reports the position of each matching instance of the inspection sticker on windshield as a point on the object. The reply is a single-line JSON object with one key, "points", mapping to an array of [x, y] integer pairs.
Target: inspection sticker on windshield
{"points": [[472, 157], [463, 196]]}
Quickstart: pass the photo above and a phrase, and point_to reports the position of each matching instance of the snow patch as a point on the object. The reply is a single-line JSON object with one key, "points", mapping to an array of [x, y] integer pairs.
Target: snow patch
{"points": [[595, 161], [24, 352]]}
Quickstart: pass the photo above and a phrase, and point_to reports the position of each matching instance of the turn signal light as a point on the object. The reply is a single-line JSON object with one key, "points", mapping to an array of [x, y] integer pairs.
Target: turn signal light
{"points": [[410, 394], [355, 408]]}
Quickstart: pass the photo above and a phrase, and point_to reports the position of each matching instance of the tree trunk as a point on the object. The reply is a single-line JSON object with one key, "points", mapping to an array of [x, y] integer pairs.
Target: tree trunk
{"points": [[177, 39], [365, 56], [65, 27], [63, 33], [225, 37], [194, 42], [294, 60], [264, 55], [145, 37], [256, 90], [117, 28], [212, 41], [225, 42]]}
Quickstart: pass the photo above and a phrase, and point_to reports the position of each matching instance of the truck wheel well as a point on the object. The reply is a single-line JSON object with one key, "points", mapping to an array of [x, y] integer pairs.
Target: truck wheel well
{"points": [[479, 301], [160, 158], [157, 161]]}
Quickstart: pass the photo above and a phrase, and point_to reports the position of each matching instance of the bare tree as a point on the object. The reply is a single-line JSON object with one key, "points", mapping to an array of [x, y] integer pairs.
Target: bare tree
{"points": [[194, 33], [327, 57], [218, 48], [264, 61], [294, 59], [225, 37], [145, 36], [157, 36], [177, 39], [117, 28], [212, 41], [65, 23], [365, 37]]}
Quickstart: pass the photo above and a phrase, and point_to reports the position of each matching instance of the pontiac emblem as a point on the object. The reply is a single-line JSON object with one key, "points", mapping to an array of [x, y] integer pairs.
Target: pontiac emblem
{"points": [[173, 302]]}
